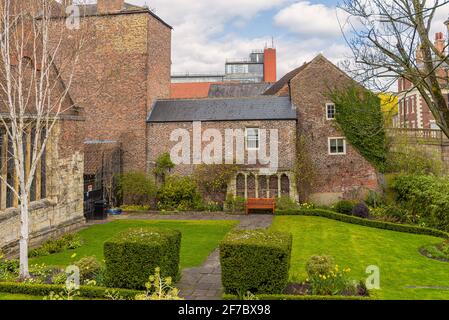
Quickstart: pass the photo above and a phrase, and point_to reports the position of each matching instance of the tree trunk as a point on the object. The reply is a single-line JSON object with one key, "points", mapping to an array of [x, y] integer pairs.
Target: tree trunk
{"points": [[24, 236]]}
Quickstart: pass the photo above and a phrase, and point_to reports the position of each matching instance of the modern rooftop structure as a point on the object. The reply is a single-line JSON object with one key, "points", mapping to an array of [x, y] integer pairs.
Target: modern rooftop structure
{"points": [[259, 67]]}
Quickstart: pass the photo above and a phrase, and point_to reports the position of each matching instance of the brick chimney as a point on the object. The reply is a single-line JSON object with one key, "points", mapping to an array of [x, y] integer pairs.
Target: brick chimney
{"points": [[110, 6], [440, 42], [419, 56], [270, 70]]}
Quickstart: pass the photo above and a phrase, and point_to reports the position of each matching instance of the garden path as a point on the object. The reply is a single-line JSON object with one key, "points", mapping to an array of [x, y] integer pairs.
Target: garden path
{"points": [[204, 283]]}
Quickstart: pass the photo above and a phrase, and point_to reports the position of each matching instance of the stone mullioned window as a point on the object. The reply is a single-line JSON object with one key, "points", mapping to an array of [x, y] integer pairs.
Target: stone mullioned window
{"points": [[7, 171]]}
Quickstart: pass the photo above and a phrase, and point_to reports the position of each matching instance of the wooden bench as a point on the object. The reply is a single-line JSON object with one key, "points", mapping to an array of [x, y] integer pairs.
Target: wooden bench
{"points": [[262, 204]]}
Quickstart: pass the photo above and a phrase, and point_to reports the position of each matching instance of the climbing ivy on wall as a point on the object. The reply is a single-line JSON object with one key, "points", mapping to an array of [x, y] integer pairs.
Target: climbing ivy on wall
{"points": [[304, 168], [359, 116]]}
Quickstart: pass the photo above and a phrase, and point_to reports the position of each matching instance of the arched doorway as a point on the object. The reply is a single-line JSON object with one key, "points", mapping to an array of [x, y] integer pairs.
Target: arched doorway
{"points": [[274, 187], [240, 185], [251, 183], [285, 185], [263, 186]]}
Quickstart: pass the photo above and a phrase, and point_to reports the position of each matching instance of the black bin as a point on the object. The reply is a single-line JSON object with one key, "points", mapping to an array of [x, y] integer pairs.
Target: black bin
{"points": [[100, 210]]}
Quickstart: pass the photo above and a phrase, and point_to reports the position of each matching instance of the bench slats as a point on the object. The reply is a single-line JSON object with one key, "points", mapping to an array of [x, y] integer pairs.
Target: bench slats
{"points": [[260, 203]]}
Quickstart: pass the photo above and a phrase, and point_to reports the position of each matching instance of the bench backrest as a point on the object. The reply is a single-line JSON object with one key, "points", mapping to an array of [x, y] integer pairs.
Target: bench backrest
{"points": [[261, 201]]}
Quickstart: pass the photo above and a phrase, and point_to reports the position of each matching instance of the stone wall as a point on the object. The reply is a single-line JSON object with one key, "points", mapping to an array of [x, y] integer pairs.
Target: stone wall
{"points": [[62, 210]]}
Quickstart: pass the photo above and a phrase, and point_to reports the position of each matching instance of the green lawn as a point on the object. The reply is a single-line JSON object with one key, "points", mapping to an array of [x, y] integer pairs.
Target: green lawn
{"points": [[9, 296], [354, 246], [199, 239]]}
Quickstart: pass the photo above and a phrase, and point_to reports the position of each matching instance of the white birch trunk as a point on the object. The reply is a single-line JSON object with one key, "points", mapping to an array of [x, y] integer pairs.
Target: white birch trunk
{"points": [[24, 236]]}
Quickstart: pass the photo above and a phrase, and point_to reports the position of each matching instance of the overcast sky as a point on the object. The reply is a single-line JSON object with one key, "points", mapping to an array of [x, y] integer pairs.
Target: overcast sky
{"points": [[206, 32]]}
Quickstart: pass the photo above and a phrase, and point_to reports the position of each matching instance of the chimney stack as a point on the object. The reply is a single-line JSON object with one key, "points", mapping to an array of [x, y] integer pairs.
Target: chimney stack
{"points": [[110, 6], [270, 70], [440, 42]]}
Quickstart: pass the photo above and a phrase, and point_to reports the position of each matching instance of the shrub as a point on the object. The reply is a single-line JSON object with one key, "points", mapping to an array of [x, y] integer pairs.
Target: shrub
{"points": [[374, 199], [235, 204], [391, 213], [179, 193], [286, 203], [68, 241], [255, 260], [213, 179], [9, 269], [409, 158], [163, 166], [361, 210], [426, 198], [136, 188], [438, 252], [45, 289], [344, 207], [319, 265], [131, 256], [213, 206], [59, 278], [89, 268], [41, 273]]}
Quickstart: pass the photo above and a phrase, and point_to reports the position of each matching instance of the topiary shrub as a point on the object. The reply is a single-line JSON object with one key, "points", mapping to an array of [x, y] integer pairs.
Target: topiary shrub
{"points": [[132, 256], [361, 210], [257, 261], [319, 265], [344, 207]]}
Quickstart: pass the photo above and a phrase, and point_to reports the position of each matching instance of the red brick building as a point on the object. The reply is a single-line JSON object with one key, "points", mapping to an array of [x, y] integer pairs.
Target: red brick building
{"points": [[297, 105], [414, 112], [125, 70], [340, 170]]}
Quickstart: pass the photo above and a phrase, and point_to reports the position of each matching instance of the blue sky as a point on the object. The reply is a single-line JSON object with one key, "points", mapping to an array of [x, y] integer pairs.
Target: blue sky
{"points": [[207, 32]]}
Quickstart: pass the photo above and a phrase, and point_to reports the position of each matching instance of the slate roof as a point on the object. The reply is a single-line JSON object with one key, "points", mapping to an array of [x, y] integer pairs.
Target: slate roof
{"points": [[284, 80], [237, 90], [257, 108]]}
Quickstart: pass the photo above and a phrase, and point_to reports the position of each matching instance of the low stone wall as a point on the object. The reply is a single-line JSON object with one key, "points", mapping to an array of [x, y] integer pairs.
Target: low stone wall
{"points": [[47, 220]]}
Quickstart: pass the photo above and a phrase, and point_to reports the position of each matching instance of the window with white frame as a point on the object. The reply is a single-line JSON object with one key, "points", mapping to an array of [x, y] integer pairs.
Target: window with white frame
{"points": [[337, 146], [330, 111], [252, 138]]}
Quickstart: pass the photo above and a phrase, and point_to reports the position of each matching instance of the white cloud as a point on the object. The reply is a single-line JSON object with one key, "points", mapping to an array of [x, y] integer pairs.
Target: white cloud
{"points": [[310, 20], [200, 45], [441, 15]]}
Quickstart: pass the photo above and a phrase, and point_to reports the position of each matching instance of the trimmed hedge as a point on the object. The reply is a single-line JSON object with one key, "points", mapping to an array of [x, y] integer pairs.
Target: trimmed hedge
{"points": [[365, 222], [255, 260], [132, 256], [45, 289], [268, 297]]}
